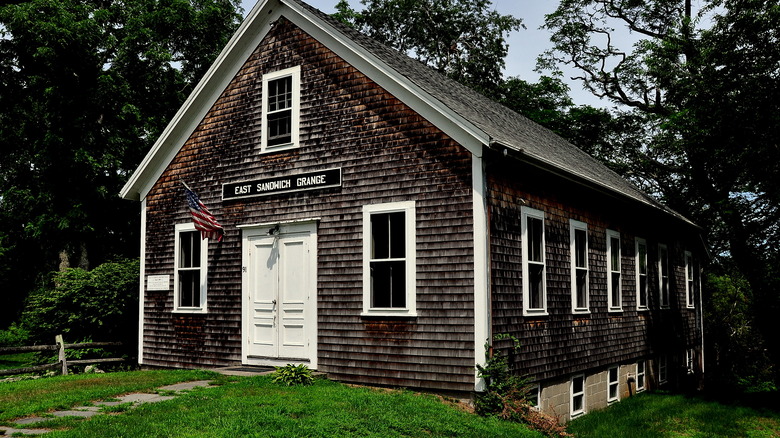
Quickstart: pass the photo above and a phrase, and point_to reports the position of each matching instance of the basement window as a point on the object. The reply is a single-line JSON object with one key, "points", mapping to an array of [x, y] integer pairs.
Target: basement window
{"points": [[389, 259], [613, 384], [281, 109], [577, 395], [640, 376]]}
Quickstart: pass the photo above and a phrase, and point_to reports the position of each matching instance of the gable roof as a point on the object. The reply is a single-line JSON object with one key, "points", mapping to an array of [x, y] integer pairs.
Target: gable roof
{"points": [[465, 115]]}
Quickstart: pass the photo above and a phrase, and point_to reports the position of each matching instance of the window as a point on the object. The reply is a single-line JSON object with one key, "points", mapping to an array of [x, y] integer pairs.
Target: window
{"points": [[663, 373], [281, 103], [689, 280], [577, 395], [640, 376], [532, 229], [532, 397], [641, 273], [190, 260], [615, 299], [663, 275], [613, 384], [690, 359], [578, 248], [389, 261]]}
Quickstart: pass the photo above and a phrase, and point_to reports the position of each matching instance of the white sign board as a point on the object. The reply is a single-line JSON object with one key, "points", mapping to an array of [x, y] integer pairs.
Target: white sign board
{"points": [[158, 282]]}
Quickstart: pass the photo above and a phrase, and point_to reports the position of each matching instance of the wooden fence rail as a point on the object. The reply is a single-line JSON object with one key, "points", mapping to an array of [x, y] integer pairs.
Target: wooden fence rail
{"points": [[62, 362]]}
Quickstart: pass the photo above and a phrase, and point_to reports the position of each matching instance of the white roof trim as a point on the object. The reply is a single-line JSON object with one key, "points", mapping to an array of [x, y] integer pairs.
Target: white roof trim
{"points": [[239, 49]]}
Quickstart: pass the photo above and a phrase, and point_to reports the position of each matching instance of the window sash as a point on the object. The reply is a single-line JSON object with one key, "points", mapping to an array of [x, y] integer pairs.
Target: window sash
{"points": [[579, 265], [663, 275], [614, 262], [689, 286], [641, 274], [534, 267], [640, 375]]}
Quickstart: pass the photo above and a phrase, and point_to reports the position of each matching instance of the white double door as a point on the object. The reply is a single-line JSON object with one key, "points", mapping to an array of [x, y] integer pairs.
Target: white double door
{"points": [[279, 322]]}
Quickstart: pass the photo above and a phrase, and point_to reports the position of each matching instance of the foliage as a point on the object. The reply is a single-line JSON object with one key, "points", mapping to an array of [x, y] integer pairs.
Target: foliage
{"points": [[463, 39], [702, 88], [506, 392], [293, 375], [85, 89], [14, 336], [81, 304]]}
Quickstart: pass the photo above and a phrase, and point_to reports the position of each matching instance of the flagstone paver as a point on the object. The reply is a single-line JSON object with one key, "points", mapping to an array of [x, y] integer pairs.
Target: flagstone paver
{"points": [[136, 398]]}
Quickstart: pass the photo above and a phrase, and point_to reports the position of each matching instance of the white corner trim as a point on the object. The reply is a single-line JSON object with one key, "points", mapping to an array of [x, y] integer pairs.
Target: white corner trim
{"points": [[141, 291], [482, 312]]}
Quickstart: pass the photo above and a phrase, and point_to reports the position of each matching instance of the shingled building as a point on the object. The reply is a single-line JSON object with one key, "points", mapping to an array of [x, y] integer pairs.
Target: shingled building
{"points": [[382, 223]]}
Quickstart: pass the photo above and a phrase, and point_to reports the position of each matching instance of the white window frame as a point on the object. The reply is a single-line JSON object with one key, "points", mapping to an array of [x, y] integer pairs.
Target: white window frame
{"points": [[410, 233], [572, 412], [641, 291], [525, 214], [613, 384], [535, 396], [689, 281], [664, 289], [204, 255], [295, 73], [690, 359], [575, 226], [611, 305], [641, 376], [663, 369]]}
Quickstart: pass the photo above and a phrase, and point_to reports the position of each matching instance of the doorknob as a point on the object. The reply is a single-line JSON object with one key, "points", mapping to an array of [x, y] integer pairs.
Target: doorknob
{"points": [[273, 302]]}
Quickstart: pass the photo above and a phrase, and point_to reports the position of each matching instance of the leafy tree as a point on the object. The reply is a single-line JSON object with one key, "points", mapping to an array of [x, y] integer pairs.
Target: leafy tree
{"points": [[85, 89], [703, 87], [463, 39]]}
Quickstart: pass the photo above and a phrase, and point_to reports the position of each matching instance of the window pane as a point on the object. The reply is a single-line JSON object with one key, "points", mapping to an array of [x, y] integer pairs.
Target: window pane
{"points": [[580, 246], [380, 236], [616, 289], [582, 278], [280, 94], [397, 235], [642, 290], [535, 286], [189, 288], [614, 243], [642, 250], [388, 284], [279, 128], [577, 384], [535, 239], [189, 250], [577, 402]]}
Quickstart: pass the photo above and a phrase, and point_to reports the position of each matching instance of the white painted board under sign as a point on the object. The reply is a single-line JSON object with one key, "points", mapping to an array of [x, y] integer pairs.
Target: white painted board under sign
{"points": [[158, 282]]}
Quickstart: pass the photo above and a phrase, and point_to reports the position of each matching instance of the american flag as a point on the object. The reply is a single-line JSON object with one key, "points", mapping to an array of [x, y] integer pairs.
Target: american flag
{"points": [[202, 218]]}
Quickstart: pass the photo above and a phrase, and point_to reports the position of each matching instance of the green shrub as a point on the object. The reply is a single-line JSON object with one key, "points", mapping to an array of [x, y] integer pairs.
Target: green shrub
{"points": [[100, 304], [14, 336], [293, 375]]}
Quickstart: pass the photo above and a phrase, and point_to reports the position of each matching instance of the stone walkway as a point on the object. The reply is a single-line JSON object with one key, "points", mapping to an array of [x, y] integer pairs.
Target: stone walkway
{"points": [[27, 425]]}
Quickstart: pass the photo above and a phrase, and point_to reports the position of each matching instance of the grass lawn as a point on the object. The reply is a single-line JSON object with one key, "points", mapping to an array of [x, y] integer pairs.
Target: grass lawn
{"points": [[254, 407], [660, 415]]}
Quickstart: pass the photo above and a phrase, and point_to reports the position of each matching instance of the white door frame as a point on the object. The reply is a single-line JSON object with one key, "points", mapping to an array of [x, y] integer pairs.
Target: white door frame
{"points": [[310, 307]]}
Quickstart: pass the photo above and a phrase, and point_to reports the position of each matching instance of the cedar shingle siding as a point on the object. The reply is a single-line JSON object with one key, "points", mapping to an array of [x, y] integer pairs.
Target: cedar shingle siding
{"points": [[387, 153], [563, 343]]}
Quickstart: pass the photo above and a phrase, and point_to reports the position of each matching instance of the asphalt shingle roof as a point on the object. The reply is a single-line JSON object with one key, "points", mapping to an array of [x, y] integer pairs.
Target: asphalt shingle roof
{"points": [[504, 127]]}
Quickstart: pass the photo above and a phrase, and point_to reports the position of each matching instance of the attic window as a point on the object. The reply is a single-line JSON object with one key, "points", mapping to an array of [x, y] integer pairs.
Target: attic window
{"points": [[281, 102]]}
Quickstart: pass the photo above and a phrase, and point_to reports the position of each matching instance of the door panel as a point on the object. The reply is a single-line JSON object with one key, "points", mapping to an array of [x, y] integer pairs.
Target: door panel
{"points": [[280, 284]]}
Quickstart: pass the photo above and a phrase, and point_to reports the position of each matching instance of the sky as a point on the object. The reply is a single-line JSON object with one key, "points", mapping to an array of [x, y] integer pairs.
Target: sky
{"points": [[524, 45]]}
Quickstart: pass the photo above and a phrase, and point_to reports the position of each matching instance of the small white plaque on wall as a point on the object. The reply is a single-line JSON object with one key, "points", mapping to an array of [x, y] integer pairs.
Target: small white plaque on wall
{"points": [[158, 282]]}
